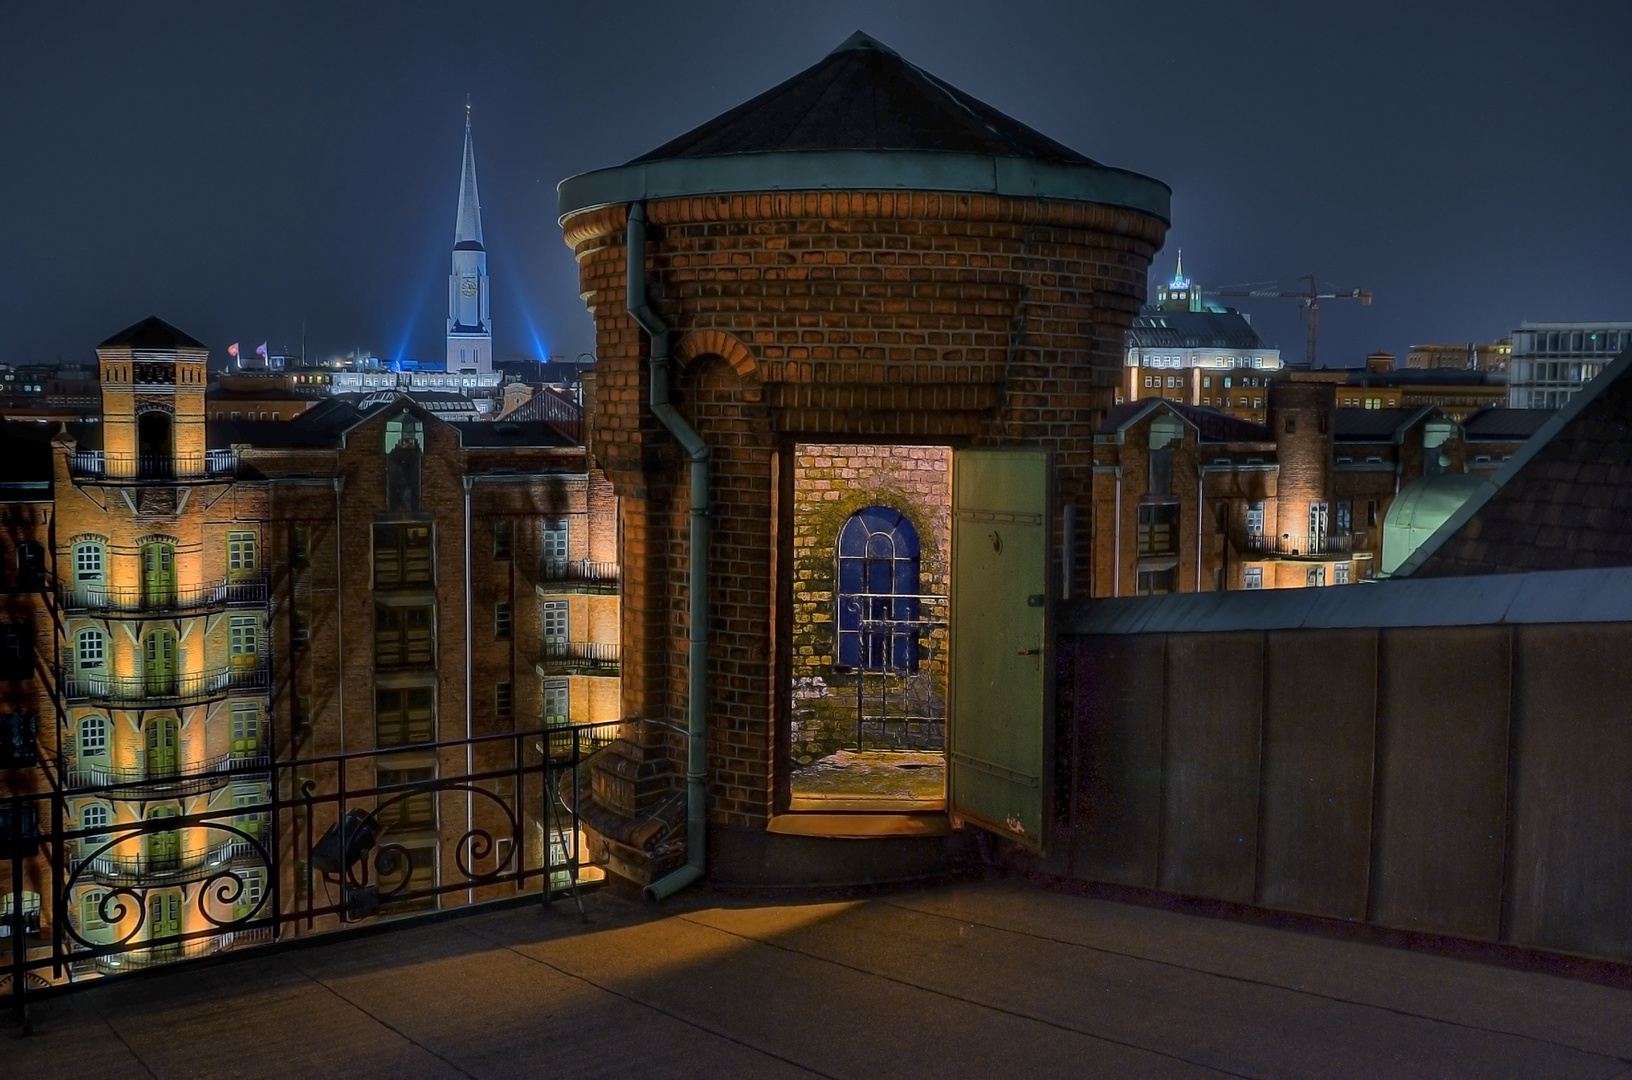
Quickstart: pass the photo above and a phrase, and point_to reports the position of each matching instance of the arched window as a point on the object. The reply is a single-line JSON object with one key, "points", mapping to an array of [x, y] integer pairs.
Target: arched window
{"points": [[88, 563], [877, 591], [92, 649], [94, 816], [30, 564], [93, 736]]}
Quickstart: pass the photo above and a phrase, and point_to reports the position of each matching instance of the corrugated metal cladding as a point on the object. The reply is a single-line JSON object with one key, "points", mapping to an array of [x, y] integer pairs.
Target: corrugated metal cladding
{"points": [[1561, 596]]}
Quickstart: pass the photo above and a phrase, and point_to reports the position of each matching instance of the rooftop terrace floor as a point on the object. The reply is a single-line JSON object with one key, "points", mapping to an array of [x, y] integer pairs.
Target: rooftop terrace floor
{"points": [[973, 980]]}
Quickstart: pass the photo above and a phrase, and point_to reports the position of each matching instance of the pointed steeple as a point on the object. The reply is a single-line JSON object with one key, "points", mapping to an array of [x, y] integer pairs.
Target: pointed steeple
{"points": [[468, 228]]}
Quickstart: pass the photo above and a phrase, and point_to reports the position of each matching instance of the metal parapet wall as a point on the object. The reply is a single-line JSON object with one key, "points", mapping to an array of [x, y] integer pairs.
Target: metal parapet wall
{"points": [[1448, 757]]}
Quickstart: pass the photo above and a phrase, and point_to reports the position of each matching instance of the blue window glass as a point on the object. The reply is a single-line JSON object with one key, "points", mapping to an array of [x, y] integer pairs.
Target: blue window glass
{"points": [[877, 593]]}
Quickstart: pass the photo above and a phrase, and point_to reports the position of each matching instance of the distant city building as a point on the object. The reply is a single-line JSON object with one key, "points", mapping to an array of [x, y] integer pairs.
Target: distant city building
{"points": [[1186, 350], [1469, 357], [1551, 361], [1459, 392], [470, 333]]}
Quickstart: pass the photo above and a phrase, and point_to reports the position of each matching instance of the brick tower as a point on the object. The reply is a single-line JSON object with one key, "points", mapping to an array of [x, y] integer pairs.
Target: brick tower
{"points": [[863, 254]]}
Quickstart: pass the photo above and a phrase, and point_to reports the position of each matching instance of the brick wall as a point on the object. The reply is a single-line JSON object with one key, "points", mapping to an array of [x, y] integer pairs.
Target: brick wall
{"points": [[830, 316], [830, 483]]}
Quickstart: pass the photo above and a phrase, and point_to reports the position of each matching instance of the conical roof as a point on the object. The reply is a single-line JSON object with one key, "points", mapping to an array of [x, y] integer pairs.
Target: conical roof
{"points": [[467, 230], [865, 119], [152, 333], [864, 96]]}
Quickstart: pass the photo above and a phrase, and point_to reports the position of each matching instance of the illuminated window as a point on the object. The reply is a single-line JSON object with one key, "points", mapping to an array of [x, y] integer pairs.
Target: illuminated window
{"points": [[1340, 574], [92, 649], [1255, 518], [94, 817], [246, 727], [88, 562], [1315, 577], [1253, 577]]}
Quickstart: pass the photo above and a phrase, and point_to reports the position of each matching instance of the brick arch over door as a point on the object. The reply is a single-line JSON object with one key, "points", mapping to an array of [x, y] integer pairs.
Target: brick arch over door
{"points": [[706, 343]]}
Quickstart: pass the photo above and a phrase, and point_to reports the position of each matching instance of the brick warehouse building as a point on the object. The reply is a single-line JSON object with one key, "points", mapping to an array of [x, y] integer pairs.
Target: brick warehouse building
{"points": [[196, 612], [863, 255]]}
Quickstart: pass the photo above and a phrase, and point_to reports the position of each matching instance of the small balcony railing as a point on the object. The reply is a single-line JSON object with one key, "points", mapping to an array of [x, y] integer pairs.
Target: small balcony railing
{"points": [[147, 870], [577, 576], [1312, 545], [139, 959], [215, 596], [184, 778], [152, 468], [578, 658], [151, 691]]}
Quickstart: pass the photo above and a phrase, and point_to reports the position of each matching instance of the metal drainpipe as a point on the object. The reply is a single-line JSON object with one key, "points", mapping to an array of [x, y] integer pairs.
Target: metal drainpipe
{"points": [[470, 687], [697, 554]]}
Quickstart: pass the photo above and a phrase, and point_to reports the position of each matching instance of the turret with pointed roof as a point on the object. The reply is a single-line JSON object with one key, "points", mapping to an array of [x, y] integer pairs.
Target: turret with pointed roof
{"points": [[470, 332]]}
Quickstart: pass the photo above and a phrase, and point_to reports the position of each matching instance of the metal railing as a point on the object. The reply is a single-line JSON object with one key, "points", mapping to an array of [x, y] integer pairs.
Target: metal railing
{"points": [[216, 595], [577, 575], [159, 690], [152, 468], [184, 778], [578, 658], [322, 851], [1312, 544]]}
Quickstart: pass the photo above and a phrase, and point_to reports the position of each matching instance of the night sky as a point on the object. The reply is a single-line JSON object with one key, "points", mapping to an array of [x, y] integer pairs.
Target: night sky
{"points": [[236, 168]]}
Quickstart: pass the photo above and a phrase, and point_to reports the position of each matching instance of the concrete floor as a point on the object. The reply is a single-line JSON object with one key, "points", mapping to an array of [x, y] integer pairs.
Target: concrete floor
{"points": [[978, 980]]}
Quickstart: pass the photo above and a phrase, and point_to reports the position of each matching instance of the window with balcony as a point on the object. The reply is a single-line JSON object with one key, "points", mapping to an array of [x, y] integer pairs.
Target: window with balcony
{"points": [[404, 636], [242, 556], [89, 564], [93, 738], [94, 818], [555, 542], [403, 556], [1345, 515], [1315, 577], [1158, 529], [243, 641], [555, 621], [1255, 519], [246, 798], [557, 703], [504, 538], [404, 717], [246, 729], [91, 646]]}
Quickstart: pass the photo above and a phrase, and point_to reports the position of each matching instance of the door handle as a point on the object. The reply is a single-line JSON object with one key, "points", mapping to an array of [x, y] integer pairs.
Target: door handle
{"points": [[1030, 652]]}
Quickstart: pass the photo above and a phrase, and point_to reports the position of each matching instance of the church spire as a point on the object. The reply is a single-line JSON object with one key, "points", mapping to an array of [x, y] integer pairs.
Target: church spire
{"points": [[468, 228]]}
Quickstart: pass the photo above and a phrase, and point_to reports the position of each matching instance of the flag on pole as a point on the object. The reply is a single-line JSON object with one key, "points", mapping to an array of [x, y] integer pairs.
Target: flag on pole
{"points": [[232, 350], [260, 350]]}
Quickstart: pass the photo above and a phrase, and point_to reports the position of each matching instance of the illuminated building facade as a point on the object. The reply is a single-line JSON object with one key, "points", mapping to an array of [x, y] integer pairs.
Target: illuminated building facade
{"points": [[191, 602], [1182, 349], [1552, 361]]}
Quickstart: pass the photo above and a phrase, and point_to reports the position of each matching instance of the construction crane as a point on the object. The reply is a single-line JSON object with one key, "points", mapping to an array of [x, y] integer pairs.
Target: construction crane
{"points": [[1308, 298]]}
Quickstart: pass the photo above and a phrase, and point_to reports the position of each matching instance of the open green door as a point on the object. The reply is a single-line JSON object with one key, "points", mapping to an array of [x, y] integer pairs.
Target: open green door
{"points": [[1000, 652]]}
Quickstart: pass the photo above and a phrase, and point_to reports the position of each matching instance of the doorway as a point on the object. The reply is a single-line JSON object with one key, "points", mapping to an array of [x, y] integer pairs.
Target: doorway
{"points": [[159, 663], [868, 675], [163, 750], [155, 444], [158, 575]]}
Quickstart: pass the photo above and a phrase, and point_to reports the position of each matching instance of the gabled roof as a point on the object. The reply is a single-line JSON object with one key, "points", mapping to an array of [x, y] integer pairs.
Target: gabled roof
{"points": [[1377, 425], [534, 433], [864, 96], [1154, 328], [1564, 501], [152, 333], [1210, 425], [1505, 424]]}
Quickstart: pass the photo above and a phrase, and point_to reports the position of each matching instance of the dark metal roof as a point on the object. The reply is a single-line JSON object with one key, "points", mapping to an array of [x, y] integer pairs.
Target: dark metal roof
{"points": [[1498, 423], [1572, 596], [1564, 501], [26, 450], [510, 433], [864, 119], [864, 96], [1432, 376], [1210, 425], [1154, 328], [1375, 425], [152, 333]]}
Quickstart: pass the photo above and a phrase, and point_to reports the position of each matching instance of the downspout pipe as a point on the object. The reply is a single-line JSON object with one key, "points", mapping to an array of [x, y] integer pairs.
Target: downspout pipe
{"points": [[697, 554]]}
